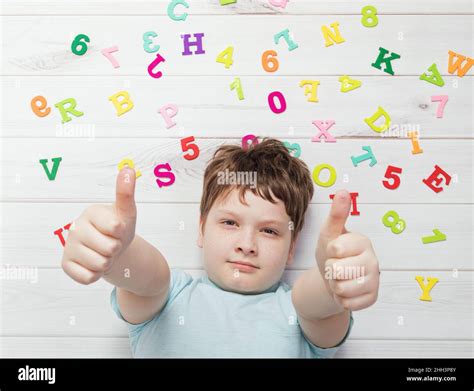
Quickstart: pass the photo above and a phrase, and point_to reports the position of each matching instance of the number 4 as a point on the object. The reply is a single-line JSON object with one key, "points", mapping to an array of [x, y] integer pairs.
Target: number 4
{"points": [[225, 57]]}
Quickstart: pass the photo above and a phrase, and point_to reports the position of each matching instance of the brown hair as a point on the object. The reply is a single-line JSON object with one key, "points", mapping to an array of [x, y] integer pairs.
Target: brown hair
{"points": [[286, 176]]}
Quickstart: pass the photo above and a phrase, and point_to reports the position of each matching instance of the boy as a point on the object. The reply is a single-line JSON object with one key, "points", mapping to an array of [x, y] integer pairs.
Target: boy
{"points": [[247, 234]]}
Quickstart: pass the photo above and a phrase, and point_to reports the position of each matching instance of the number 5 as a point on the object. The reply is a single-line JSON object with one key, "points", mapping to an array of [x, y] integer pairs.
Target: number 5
{"points": [[186, 145], [391, 173]]}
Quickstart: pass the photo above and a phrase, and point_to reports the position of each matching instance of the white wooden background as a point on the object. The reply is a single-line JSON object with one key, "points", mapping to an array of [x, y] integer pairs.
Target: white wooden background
{"points": [[57, 317]]}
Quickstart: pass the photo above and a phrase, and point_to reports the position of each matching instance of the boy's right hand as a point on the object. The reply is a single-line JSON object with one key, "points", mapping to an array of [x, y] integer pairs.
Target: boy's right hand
{"points": [[102, 233]]}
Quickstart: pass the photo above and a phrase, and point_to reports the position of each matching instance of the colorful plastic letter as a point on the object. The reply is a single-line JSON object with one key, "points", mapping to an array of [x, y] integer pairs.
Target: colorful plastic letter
{"points": [[159, 59], [197, 43], [435, 77], [354, 196], [330, 36], [71, 109], [426, 288], [311, 89], [369, 155], [108, 53], [171, 8], [147, 42], [51, 174], [167, 116], [332, 175], [386, 60], [124, 105], [323, 127], [164, 174], [379, 113], [438, 237], [348, 84], [245, 141], [434, 180], [414, 141], [292, 45], [293, 149], [131, 164], [458, 65], [41, 110]]}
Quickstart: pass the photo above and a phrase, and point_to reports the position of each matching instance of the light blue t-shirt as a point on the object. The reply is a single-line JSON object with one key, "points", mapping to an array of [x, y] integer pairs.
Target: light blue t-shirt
{"points": [[200, 319]]}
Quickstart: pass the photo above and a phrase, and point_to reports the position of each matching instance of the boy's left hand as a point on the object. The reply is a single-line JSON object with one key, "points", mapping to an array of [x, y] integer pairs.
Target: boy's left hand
{"points": [[347, 260]]}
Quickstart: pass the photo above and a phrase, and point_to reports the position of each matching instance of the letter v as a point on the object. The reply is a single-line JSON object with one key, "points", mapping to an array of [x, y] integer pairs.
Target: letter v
{"points": [[51, 175]]}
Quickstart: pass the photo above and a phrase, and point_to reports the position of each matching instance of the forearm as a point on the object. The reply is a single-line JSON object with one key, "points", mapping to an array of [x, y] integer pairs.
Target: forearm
{"points": [[312, 297], [140, 269]]}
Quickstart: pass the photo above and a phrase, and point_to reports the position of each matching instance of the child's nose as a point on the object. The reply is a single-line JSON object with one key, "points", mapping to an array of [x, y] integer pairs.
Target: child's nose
{"points": [[246, 242]]}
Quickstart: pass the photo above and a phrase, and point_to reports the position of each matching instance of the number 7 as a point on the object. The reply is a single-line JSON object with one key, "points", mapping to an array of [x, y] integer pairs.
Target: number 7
{"points": [[108, 53], [443, 99]]}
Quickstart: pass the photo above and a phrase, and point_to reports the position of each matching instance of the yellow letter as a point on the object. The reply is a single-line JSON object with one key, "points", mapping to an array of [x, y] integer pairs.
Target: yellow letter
{"points": [[125, 101], [426, 288]]}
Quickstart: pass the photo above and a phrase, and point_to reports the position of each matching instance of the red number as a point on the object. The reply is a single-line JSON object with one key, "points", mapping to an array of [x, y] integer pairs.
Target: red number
{"points": [[185, 145], [391, 173]]}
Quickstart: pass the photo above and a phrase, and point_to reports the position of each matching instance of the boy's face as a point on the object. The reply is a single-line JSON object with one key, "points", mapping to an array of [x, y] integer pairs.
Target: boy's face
{"points": [[258, 234]]}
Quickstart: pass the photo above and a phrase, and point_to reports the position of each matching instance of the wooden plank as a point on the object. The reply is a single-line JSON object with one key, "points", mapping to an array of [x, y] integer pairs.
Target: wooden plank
{"points": [[88, 170], [203, 7], [57, 306], [420, 40], [28, 238], [208, 108], [116, 347]]}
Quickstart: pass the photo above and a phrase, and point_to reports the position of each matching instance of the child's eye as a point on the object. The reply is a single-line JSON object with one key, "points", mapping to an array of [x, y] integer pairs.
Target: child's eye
{"points": [[270, 231], [229, 222]]}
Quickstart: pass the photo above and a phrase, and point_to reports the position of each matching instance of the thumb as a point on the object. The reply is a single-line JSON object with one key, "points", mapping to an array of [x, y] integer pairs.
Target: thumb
{"points": [[336, 221], [125, 194]]}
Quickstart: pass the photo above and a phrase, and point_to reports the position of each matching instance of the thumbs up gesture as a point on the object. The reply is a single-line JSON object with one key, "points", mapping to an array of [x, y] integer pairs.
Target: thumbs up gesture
{"points": [[347, 260], [102, 232]]}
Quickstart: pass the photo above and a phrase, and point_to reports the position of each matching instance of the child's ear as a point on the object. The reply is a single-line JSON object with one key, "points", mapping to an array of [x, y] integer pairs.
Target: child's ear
{"points": [[199, 239]]}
